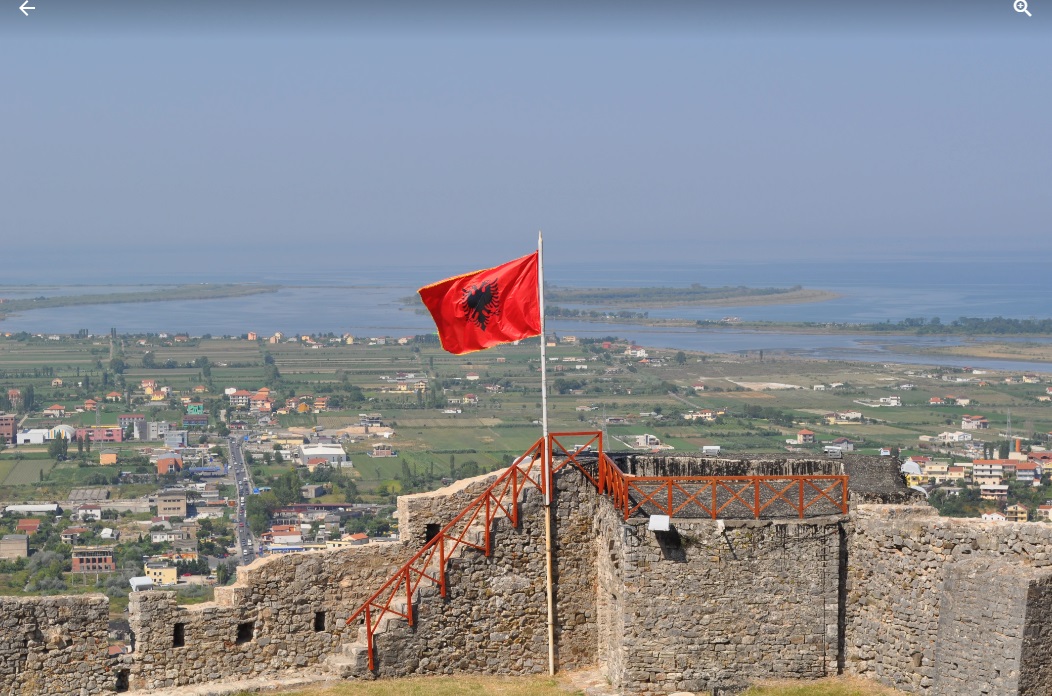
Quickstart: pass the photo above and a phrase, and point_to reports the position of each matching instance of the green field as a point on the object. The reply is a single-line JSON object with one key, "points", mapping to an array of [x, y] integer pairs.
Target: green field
{"points": [[505, 422]]}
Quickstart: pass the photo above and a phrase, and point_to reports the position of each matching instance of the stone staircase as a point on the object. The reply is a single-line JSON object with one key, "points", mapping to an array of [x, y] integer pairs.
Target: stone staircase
{"points": [[351, 660]]}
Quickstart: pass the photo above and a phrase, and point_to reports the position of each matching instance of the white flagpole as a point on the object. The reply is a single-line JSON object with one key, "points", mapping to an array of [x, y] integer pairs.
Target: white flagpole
{"points": [[544, 370], [546, 464]]}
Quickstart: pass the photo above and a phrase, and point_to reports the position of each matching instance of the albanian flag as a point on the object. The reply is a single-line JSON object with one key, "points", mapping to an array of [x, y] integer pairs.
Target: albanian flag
{"points": [[485, 308]]}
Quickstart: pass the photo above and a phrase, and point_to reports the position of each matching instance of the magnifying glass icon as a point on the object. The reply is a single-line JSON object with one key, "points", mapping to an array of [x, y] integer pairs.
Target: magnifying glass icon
{"points": [[1021, 6]]}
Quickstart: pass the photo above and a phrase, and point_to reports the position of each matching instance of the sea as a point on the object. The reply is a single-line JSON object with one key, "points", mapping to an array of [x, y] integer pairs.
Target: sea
{"points": [[368, 301]]}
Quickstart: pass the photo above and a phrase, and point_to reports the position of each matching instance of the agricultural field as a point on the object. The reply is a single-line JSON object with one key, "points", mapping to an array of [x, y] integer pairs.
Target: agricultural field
{"points": [[484, 409]]}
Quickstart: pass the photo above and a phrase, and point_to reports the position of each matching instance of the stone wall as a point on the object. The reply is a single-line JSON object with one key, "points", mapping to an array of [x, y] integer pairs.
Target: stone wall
{"points": [[1035, 677], [494, 619], [284, 612], [711, 605], [54, 645], [895, 593], [948, 606]]}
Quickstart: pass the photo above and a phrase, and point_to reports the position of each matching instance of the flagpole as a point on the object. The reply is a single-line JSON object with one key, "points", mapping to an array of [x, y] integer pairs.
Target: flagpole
{"points": [[546, 462]]}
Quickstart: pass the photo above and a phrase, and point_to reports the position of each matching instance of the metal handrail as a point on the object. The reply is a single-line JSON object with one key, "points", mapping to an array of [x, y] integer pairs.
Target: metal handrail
{"points": [[626, 492]]}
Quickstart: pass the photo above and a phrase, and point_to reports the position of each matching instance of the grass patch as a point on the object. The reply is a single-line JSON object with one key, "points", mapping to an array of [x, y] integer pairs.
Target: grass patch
{"points": [[461, 685], [834, 686], [473, 685]]}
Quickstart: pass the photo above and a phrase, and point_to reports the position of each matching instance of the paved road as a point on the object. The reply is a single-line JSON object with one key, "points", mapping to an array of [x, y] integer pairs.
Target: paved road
{"points": [[243, 482]]}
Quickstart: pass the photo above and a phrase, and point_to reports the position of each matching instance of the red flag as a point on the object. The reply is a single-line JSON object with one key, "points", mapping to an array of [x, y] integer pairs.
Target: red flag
{"points": [[486, 308]]}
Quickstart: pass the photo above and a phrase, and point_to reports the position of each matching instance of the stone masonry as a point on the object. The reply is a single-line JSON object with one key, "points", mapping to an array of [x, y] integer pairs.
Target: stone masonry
{"points": [[891, 592]]}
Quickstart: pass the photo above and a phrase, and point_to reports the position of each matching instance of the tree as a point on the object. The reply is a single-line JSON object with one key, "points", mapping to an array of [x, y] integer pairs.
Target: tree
{"points": [[149, 360], [58, 448], [118, 365], [28, 399], [681, 358]]}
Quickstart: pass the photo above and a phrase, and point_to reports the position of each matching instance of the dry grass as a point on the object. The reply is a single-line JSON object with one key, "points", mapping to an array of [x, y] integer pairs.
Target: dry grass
{"points": [[834, 686], [467, 685], [461, 685]]}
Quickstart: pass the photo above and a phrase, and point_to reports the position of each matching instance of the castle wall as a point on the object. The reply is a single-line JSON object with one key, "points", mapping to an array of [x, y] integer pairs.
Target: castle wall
{"points": [[929, 605], [948, 606], [710, 605], [494, 619], [263, 624], [54, 645]]}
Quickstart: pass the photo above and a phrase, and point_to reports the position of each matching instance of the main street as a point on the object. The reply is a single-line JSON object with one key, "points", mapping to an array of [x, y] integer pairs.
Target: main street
{"points": [[243, 483]]}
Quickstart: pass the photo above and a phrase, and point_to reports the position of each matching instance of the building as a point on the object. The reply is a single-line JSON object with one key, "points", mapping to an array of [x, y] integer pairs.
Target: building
{"points": [[195, 408], [88, 511], [974, 422], [284, 534], [647, 440], [241, 398], [381, 449], [8, 426], [55, 410], [169, 463], [175, 439], [108, 457], [162, 573], [994, 492], [101, 433], [72, 534], [157, 430], [1016, 513], [332, 454], [195, 421], [312, 490], [805, 437], [14, 546], [171, 504], [93, 559], [33, 436], [28, 525], [1029, 472], [135, 421]]}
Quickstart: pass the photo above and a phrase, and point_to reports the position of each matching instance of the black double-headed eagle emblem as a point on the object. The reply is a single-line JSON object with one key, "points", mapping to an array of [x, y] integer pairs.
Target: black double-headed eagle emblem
{"points": [[481, 303]]}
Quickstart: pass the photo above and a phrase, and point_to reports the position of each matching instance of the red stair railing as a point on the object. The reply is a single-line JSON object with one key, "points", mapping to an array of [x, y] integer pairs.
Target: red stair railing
{"points": [[669, 495], [430, 562]]}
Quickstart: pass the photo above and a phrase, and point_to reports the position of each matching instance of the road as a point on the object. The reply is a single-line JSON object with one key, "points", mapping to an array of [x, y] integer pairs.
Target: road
{"points": [[243, 482]]}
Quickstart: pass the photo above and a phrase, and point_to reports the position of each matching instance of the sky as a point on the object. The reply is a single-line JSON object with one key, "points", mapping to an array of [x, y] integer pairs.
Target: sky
{"points": [[203, 135]]}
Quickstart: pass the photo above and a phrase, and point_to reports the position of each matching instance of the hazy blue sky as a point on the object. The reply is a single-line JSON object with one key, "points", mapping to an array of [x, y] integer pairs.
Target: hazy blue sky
{"points": [[211, 133]]}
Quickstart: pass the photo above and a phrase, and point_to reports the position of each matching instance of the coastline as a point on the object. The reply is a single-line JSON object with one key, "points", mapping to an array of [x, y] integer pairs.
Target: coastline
{"points": [[166, 294]]}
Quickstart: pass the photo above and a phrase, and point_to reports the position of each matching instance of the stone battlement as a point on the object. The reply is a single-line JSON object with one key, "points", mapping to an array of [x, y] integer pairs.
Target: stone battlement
{"points": [[891, 592]]}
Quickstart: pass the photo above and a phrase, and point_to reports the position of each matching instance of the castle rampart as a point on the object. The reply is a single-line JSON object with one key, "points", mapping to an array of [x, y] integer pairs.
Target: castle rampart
{"points": [[891, 592]]}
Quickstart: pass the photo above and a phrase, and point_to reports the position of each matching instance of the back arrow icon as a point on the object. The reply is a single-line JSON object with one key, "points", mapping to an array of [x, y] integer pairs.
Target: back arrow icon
{"points": [[25, 7]]}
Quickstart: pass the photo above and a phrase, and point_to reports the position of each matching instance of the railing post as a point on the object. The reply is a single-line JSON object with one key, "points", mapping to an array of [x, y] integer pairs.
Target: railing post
{"points": [[408, 598], [714, 501], [669, 484], [442, 565], [756, 497], [489, 519], [369, 637], [602, 471], [800, 482], [514, 508]]}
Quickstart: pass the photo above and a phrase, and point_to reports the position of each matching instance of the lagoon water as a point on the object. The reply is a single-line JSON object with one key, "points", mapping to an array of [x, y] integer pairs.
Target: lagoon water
{"points": [[367, 301]]}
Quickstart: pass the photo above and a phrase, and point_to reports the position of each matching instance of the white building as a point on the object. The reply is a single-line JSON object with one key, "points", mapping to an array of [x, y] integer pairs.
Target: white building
{"points": [[332, 454]]}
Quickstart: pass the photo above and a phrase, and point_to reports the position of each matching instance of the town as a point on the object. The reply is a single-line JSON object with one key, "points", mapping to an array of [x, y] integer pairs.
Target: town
{"points": [[168, 460]]}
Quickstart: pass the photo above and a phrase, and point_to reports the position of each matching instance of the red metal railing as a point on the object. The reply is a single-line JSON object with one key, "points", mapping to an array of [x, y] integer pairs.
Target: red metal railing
{"points": [[502, 496], [669, 495], [716, 496]]}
